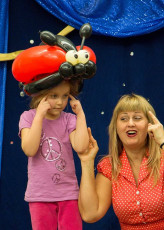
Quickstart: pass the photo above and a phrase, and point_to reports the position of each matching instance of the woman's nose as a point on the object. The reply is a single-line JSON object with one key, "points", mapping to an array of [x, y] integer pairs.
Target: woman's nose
{"points": [[131, 122]]}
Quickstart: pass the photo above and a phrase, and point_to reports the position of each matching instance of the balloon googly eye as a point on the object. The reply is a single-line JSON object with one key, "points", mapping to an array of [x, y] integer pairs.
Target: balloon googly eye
{"points": [[72, 57], [83, 56]]}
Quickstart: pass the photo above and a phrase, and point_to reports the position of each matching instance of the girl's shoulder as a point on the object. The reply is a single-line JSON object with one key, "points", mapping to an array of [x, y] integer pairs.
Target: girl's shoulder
{"points": [[30, 111], [28, 114], [26, 119], [68, 116]]}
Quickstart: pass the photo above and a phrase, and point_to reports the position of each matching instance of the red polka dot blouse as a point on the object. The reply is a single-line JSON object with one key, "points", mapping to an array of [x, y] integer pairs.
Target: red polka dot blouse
{"points": [[137, 207]]}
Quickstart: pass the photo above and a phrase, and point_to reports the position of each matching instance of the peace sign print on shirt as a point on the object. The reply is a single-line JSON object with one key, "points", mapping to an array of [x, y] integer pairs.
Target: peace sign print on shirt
{"points": [[51, 150], [47, 148]]}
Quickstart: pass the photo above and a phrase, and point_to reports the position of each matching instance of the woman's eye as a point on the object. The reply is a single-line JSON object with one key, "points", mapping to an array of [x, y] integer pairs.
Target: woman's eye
{"points": [[137, 118], [123, 118], [83, 56], [72, 57]]}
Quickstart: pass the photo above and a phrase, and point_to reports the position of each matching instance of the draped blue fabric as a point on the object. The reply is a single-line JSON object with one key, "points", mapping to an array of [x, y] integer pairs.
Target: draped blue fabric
{"points": [[3, 49], [110, 17]]}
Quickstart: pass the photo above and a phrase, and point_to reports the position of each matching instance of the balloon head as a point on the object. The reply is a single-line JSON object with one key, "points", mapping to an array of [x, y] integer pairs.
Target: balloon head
{"points": [[54, 60]]}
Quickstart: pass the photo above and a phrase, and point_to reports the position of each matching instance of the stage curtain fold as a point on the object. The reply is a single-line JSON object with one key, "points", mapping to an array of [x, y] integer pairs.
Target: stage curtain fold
{"points": [[110, 17], [3, 68]]}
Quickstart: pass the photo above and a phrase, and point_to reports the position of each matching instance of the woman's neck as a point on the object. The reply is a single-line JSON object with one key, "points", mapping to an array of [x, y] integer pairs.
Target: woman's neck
{"points": [[136, 154]]}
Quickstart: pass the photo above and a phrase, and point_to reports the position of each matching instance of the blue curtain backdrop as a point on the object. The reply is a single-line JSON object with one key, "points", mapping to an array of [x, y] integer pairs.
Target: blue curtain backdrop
{"points": [[124, 65], [3, 49], [110, 17], [113, 18]]}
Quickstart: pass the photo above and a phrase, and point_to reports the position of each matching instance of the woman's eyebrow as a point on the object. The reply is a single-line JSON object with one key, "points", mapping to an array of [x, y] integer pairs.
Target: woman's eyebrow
{"points": [[123, 113]]}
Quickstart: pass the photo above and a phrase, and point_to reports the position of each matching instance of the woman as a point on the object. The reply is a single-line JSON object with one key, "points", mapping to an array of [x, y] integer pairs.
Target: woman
{"points": [[131, 177]]}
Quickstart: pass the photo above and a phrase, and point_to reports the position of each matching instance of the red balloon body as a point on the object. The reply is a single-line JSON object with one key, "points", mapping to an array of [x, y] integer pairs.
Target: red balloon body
{"points": [[37, 61], [40, 61]]}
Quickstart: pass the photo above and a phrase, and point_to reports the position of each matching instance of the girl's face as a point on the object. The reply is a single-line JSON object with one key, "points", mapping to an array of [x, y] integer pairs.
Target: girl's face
{"points": [[132, 129], [58, 99]]}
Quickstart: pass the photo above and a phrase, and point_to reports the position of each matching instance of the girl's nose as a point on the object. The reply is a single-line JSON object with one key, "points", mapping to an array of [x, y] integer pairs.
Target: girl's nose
{"points": [[59, 101]]}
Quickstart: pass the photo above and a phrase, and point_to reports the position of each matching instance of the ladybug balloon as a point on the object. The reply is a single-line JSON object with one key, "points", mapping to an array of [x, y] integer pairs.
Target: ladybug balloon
{"points": [[54, 60]]}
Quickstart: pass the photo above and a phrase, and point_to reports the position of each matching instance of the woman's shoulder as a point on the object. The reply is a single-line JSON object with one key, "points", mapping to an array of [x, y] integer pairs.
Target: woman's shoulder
{"points": [[106, 160], [105, 167]]}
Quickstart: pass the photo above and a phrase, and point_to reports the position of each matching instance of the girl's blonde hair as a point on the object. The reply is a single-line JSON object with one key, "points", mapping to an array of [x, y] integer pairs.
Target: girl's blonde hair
{"points": [[133, 102], [74, 91]]}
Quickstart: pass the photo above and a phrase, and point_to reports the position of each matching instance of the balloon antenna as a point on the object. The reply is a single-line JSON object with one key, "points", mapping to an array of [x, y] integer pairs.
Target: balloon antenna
{"points": [[85, 32]]}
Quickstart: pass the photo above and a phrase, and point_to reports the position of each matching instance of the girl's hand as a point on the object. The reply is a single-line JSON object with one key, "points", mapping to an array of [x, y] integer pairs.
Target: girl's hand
{"points": [[155, 130], [92, 150], [75, 105], [43, 107]]}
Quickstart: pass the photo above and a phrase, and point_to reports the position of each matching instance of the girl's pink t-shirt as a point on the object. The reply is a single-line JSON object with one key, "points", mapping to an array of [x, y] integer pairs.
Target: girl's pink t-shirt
{"points": [[51, 172]]}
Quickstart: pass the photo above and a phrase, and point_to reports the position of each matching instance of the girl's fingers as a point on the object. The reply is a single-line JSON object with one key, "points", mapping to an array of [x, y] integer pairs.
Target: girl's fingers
{"points": [[44, 99], [71, 97]]}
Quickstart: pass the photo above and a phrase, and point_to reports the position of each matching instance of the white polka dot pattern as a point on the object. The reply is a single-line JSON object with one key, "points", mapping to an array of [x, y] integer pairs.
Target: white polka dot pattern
{"points": [[137, 207]]}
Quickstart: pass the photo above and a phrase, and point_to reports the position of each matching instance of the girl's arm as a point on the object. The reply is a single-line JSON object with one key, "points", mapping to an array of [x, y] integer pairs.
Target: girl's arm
{"points": [[79, 137], [95, 193], [30, 137]]}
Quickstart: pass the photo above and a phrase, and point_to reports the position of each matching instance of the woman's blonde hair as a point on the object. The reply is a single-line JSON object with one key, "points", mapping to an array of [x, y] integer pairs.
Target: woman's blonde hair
{"points": [[133, 102], [74, 91]]}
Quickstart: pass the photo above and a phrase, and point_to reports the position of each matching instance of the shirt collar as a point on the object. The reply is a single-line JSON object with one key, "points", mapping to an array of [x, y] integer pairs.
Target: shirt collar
{"points": [[126, 170]]}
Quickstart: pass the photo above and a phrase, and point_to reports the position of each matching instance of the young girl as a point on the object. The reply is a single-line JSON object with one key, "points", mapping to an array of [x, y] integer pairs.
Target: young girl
{"points": [[47, 137]]}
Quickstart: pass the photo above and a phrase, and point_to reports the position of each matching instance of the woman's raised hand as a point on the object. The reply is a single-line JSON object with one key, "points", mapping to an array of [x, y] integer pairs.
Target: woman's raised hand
{"points": [[92, 150], [156, 130]]}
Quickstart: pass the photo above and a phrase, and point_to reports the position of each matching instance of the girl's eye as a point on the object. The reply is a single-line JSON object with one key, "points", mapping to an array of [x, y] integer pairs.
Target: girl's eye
{"points": [[53, 96], [65, 96]]}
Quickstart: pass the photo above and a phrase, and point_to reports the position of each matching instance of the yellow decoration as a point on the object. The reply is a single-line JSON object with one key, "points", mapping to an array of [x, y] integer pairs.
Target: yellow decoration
{"points": [[9, 56], [13, 55], [66, 30]]}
